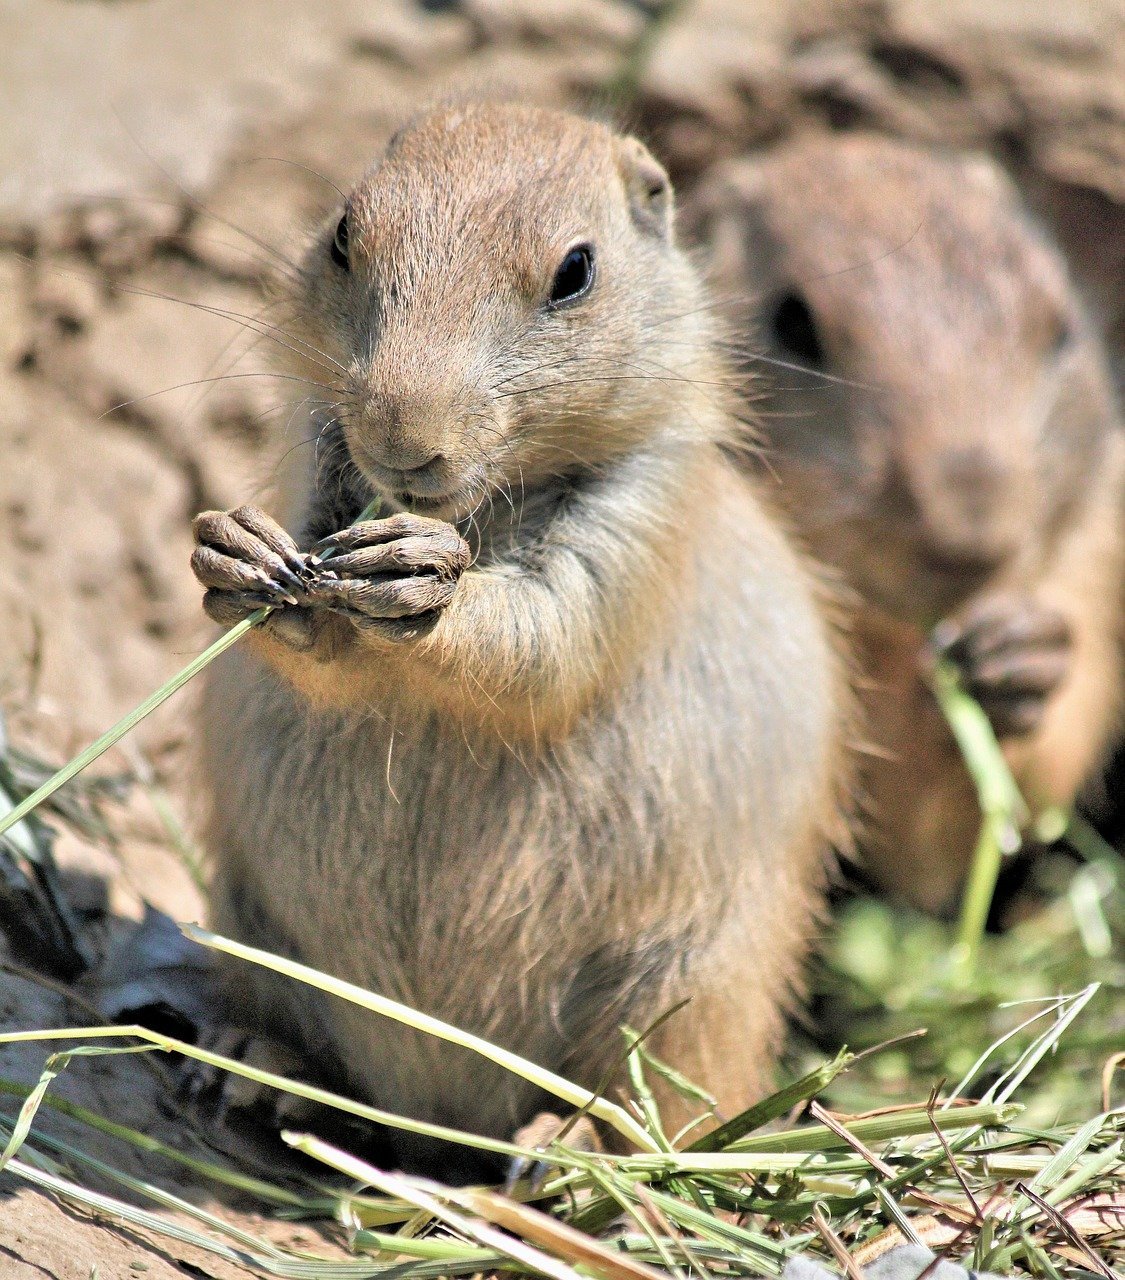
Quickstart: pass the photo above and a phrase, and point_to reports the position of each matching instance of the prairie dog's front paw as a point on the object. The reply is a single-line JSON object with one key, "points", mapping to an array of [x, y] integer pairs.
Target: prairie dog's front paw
{"points": [[246, 560], [394, 575], [1013, 652]]}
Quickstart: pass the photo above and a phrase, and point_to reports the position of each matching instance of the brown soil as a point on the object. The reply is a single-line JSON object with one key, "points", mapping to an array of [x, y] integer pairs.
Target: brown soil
{"points": [[142, 172]]}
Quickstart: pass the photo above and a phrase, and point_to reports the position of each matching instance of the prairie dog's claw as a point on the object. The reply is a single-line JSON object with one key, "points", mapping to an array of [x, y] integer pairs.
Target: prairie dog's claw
{"points": [[538, 1134], [244, 560], [394, 575], [1013, 652]]}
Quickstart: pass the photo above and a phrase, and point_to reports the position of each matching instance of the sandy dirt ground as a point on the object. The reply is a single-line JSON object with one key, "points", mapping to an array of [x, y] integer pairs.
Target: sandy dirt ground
{"points": [[158, 158]]}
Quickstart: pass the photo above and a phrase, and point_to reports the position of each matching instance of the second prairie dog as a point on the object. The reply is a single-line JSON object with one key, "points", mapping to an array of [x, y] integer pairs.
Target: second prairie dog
{"points": [[559, 744], [954, 448]]}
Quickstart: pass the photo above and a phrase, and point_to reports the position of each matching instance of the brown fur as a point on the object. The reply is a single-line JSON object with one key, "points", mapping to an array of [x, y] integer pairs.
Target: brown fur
{"points": [[606, 777], [963, 455]]}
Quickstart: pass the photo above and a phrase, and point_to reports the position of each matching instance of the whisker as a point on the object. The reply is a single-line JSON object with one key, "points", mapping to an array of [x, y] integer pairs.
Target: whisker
{"points": [[196, 382], [198, 204], [266, 266], [623, 377], [228, 348], [296, 164], [300, 444], [266, 330], [819, 374], [741, 347]]}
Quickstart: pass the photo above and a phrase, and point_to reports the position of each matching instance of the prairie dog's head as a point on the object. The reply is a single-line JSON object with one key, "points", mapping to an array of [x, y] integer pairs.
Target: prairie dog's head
{"points": [[922, 367], [499, 300]]}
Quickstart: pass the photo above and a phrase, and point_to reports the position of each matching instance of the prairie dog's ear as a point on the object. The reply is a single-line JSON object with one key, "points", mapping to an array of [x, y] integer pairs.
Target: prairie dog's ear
{"points": [[736, 186], [648, 188], [724, 216]]}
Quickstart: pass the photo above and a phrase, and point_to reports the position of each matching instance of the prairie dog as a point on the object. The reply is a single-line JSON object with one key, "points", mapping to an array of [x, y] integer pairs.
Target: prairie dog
{"points": [[558, 742], [939, 416]]}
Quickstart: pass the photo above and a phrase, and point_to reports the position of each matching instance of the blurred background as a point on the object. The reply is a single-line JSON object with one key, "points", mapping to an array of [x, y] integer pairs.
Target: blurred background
{"points": [[159, 158]]}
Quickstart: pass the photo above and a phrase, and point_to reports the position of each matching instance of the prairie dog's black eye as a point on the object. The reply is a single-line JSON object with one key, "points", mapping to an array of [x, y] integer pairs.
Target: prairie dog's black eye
{"points": [[794, 329], [340, 245], [574, 276], [1060, 334]]}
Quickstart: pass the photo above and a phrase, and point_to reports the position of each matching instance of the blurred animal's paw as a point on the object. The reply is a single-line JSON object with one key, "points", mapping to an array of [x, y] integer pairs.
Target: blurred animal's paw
{"points": [[1013, 653]]}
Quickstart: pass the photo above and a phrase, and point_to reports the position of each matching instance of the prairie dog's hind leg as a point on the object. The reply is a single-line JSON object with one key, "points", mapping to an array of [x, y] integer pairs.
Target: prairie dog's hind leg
{"points": [[262, 1021]]}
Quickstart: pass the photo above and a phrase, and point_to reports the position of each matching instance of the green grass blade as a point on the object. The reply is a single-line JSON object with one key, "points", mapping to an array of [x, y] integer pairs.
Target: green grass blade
{"points": [[129, 722], [903, 1124], [557, 1085], [55, 1065], [288, 1266], [778, 1104], [296, 1087], [265, 1191], [1003, 810], [428, 1196]]}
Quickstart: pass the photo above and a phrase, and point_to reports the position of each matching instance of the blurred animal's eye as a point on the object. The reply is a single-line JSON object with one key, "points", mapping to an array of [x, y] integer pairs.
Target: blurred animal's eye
{"points": [[340, 245], [574, 276], [1060, 334], [794, 329]]}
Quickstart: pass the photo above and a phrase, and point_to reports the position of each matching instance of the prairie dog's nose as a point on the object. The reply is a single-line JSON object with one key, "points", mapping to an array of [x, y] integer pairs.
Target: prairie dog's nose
{"points": [[970, 516], [405, 458], [968, 555], [407, 432], [965, 504], [974, 472]]}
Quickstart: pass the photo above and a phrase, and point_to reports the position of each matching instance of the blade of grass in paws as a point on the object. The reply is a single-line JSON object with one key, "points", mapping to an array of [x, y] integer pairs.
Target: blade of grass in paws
{"points": [[129, 722], [1003, 810]]}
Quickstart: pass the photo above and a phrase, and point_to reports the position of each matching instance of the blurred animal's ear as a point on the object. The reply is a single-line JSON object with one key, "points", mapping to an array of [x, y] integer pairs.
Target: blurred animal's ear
{"points": [[648, 188], [724, 216], [733, 189], [718, 211]]}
